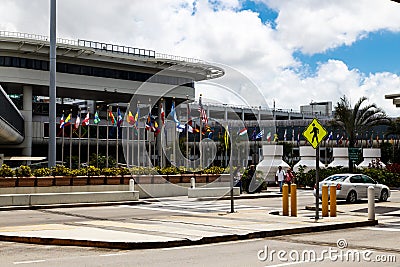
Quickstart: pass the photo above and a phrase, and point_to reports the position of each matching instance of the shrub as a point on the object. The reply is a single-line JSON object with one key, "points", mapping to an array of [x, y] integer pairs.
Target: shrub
{"points": [[6, 171], [93, 171], [169, 170], [23, 171], [109, 171], [215, 170], [60, 170], [41, 172]]}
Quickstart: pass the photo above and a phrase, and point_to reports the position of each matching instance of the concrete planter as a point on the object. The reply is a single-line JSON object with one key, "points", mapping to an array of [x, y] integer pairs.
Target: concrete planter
{"points": [[114, 180], [80, 180], [174, 179], [186, 177], [26, 181], [8, 182], [96, 180], [62, 180], [144, 179], [44, 181]]}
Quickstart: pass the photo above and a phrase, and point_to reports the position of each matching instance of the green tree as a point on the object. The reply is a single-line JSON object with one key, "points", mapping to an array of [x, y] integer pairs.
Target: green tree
{"points": [[358, 119]]}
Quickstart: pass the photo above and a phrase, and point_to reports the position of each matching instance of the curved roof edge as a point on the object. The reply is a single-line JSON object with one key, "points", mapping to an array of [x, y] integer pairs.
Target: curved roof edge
{"points": [[201, 69]]}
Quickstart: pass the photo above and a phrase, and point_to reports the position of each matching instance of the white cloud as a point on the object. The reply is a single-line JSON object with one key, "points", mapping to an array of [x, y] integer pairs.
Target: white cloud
{"points": [[218, 31]]}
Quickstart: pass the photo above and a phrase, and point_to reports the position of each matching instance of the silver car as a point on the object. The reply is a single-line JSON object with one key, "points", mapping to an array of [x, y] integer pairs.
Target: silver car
{"points": [[352, 187]]}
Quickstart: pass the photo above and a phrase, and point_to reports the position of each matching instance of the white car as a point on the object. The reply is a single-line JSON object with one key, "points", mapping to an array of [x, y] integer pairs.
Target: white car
{"points": [[352, 187]]}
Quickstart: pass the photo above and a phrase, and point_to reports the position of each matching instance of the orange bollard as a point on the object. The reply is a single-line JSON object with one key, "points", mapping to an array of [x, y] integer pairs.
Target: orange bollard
{"points": [[333, 201], [325, 201], [293, 200], [285, 200]]}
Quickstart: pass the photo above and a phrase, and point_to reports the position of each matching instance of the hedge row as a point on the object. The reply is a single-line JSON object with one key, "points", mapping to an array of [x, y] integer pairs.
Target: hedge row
{"points": [[60, 170]]}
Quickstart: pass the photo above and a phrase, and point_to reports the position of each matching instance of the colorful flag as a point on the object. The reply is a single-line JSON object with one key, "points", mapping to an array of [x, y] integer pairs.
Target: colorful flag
{"points": [[173, 114], [62, 121], [226, 137], [111, 116], [148, 123], [254, 135], [293, 135], [68, 120], [203, 113], [298, 139], [242, 132], [180, 127], [130, 119], [137, 115], [96, 118], [330, 136], [276, 138], [77, 121], [261, 134], [85, 122], [119, 118], [162, 113], [189, 128]]}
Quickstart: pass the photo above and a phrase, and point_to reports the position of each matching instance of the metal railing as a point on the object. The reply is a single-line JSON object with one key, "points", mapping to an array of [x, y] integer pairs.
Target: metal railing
{"points": [[101, 46]]}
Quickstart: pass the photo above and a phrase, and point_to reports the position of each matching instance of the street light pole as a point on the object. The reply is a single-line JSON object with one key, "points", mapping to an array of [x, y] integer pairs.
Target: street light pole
{"points": [[52, 87]]}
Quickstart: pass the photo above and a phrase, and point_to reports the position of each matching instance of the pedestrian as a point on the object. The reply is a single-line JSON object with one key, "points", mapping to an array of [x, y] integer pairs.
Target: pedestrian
{"points": [[289, 178], [280, 177]]}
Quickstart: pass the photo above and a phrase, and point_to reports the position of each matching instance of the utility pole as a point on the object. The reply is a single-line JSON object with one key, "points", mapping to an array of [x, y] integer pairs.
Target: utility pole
{"points": [[52, 87]]}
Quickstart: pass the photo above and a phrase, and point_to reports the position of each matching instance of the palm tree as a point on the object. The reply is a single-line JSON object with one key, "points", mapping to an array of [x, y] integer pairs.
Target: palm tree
{"points": [[358, 119]]}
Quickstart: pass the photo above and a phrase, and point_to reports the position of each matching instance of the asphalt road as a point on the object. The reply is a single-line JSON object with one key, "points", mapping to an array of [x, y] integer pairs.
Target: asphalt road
{"points": [[381, 240]]}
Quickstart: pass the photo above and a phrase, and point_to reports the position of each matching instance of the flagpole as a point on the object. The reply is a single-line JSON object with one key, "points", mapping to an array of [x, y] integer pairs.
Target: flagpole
{"points": [[88, 139], [62, 146], [108, 110], [201, 132], [116, 141], [174, 131], [97, 140], [149, 133], [187, 133], [70, 142], [128, 162], [138, 132], [79, 140]]}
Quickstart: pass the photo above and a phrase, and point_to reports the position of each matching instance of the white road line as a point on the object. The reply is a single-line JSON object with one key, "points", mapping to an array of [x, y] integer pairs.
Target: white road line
{"points": [[287, 263], [112, 254], [28, 262], [382, 229]]}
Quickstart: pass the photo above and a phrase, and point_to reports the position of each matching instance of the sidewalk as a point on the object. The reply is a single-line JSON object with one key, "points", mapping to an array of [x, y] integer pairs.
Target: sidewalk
{"points": [[177, 230]]}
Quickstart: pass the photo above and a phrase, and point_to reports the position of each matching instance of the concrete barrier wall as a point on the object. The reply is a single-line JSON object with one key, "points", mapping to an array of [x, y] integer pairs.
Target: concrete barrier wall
{"points": [[67, 198]]}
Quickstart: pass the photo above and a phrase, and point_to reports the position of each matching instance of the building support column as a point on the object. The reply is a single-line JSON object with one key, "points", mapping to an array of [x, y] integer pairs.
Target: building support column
{"points": [[27, 113]]}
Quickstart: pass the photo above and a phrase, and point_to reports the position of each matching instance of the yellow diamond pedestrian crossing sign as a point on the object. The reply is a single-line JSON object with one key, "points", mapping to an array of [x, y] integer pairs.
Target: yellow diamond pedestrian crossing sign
{"points": [[315, 133]]}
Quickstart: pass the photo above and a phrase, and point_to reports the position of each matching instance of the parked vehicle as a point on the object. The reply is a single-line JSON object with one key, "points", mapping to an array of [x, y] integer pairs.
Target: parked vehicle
{"points": [[352, 187]]}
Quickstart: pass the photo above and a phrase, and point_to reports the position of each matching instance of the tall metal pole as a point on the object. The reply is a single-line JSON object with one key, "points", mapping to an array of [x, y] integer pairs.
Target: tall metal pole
{"points": [[317, 183], [187, 132], [52, 87]]}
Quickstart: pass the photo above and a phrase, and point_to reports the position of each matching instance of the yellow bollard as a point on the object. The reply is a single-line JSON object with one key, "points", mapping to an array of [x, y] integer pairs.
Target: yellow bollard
{"points": [[285, 200], [325, 201], [333, 200], [293, 200]]}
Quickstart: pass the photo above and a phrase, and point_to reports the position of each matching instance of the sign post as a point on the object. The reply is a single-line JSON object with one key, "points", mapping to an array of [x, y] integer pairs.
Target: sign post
{"points": [[354, 154], [315, 134]]}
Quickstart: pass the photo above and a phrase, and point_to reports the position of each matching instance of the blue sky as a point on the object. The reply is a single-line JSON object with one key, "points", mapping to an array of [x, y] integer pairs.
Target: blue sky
{"points": [[290, 52]]}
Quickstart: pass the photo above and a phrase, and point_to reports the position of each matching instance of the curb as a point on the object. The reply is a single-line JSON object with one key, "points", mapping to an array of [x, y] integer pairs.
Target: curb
{"points": [[247, 196], [73, 205], [184, 242]]}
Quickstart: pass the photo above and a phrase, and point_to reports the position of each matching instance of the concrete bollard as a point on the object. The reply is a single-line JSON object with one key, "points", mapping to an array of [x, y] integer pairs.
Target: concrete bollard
{"points": [[131, 185], [293, 200], [371, 203], [332, 206], [192, 182], [325, 201], [285, 200]]}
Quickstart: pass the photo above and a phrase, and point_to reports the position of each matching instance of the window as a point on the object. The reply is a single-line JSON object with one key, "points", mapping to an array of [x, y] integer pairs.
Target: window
{"points": [[356, 179], [367, 180], [94, 71]]}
